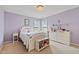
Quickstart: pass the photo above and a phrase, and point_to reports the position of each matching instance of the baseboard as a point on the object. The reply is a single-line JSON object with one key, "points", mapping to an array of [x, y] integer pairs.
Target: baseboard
{"points": [[7, 42]]}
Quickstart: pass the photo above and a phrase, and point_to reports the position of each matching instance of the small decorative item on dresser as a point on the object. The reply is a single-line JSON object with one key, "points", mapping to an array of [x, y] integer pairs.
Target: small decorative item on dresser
{"points": [[15, 36]]}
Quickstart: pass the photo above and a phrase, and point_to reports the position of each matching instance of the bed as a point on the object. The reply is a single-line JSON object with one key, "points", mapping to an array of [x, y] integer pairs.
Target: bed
{"points": [[28, 37]]}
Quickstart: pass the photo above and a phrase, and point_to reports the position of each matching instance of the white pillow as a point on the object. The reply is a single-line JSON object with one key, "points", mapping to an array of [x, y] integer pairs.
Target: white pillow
{"points": [[36, 29], [26, 29]]}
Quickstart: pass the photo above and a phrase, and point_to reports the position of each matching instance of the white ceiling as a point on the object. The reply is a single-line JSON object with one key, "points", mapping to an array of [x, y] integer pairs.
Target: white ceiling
{"points": [[30, 10]]}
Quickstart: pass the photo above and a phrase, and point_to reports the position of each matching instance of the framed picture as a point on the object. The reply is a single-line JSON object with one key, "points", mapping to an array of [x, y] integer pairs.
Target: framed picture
{"points": [[26, 22]]}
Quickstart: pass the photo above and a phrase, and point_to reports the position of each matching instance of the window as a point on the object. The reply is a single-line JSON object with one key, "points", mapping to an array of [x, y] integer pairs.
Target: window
{"points": [[26, 22], [40, 24], [36, 25], [44, 25]]}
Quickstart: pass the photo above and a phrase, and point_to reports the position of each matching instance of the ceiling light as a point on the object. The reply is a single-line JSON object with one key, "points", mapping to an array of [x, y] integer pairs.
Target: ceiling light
{"points": [[40, 7]]}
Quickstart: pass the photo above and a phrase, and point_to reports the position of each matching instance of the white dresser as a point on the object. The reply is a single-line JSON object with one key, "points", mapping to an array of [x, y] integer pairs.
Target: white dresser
{"points": [[60, 36]]}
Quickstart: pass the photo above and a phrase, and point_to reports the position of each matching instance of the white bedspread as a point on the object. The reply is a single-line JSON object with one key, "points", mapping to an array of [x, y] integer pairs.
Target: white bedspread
{"points": [[30, 36], [25, 37]]}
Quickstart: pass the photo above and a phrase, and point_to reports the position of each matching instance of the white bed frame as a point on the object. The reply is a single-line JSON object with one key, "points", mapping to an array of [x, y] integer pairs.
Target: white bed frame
{"points": [[30, 41]]}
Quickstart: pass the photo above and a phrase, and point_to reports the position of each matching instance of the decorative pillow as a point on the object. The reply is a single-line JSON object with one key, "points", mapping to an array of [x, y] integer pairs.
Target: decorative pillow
{"points": [[25, 29]]}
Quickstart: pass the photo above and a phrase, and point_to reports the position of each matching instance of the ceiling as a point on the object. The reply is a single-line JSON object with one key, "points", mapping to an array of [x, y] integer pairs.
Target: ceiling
{"points": [[30, 10]]}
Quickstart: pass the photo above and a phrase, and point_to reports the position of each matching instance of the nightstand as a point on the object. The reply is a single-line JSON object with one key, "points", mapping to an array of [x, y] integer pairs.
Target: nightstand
{"points": [[15, 37]]}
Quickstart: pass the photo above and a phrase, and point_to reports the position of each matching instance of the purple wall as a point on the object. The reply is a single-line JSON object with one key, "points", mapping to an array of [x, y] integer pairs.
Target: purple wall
{"points": [[13, 23], [1, 27], [70, 17]]}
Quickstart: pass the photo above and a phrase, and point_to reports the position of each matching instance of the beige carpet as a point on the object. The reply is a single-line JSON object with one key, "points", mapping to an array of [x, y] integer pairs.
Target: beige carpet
{"points": [[56, 48]]}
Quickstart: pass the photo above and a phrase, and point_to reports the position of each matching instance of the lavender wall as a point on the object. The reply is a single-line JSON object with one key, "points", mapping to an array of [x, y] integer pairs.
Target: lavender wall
{"points": [[1, 27], [70, 17], [13, 22]]}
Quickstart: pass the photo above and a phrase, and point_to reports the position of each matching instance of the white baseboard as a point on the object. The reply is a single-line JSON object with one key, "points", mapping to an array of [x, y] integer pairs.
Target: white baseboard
{"points": [[7, 42]]}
